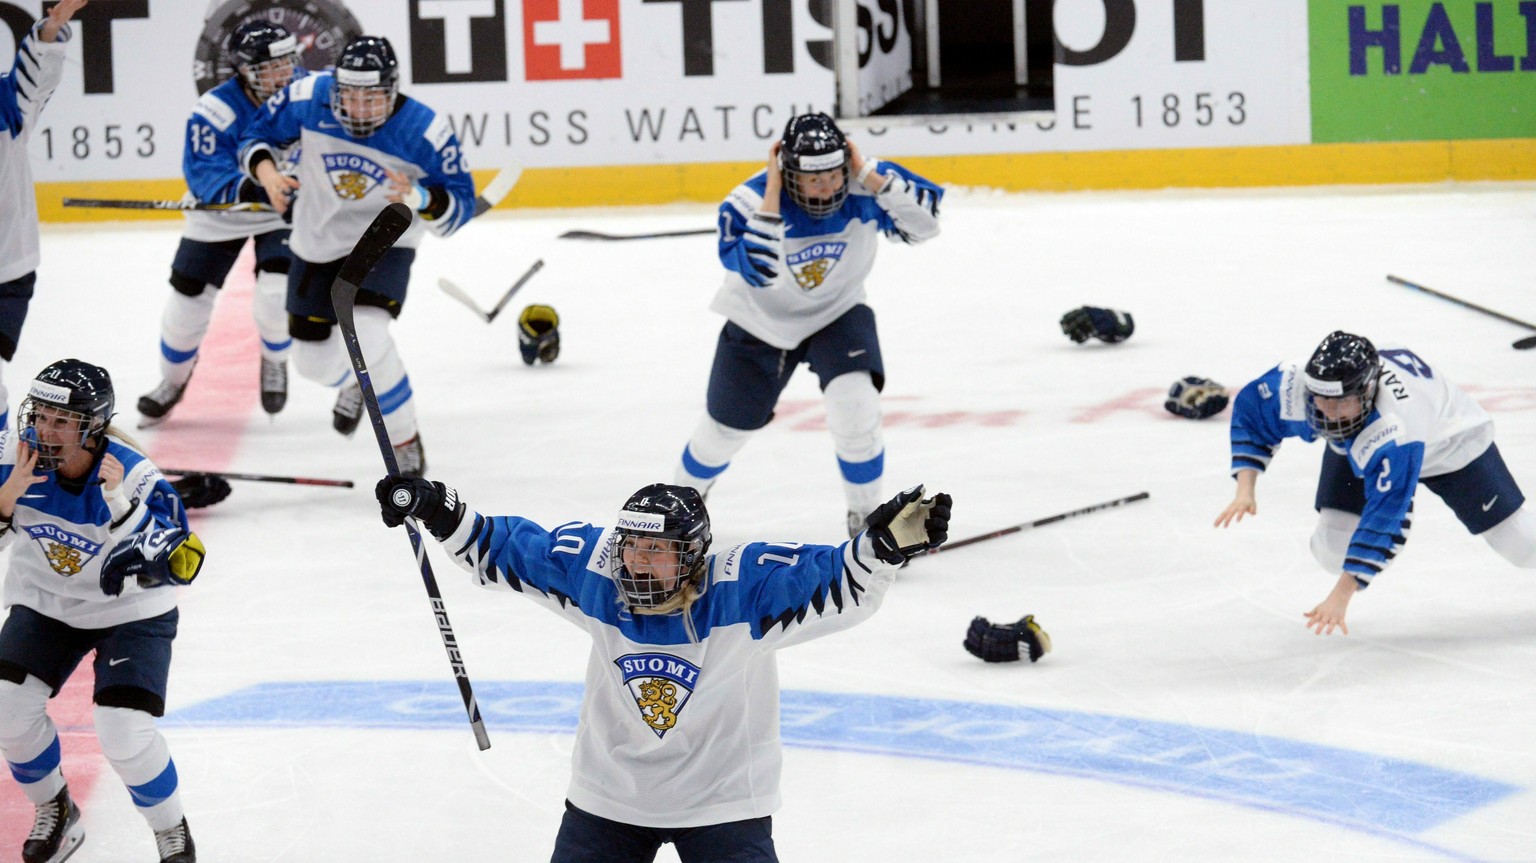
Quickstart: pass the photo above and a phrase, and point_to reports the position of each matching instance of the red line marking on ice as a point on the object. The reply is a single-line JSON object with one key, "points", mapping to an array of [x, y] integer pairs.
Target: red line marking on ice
{"points": [[204, 432]]}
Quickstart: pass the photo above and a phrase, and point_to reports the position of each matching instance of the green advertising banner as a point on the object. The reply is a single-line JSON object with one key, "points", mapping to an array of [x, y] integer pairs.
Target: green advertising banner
{"points": [[1415, 70]]}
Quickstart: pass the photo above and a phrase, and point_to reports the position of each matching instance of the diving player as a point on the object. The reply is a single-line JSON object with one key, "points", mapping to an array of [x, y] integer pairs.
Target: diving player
{"points": [[363, 144], [265, 57], [679, 735], [797, 240], [96, 535], [1391, 421], [23, 92]]}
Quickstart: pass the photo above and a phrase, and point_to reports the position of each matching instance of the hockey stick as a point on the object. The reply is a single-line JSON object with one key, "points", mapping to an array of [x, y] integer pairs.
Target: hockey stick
{"points": [[1523, 344], [111, 204], [387, 227], [1110, 504], [459, 294], [261, 477], [497, 189], [599, 235]]}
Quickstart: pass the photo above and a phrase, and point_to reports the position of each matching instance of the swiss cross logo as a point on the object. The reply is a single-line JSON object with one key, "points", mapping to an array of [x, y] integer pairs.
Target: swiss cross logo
{"points": [[571, 39]]}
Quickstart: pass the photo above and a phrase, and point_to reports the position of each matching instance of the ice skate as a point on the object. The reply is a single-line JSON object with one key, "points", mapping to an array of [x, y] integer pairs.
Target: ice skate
{"points": [[410, 458], [155, 405], [274, 385], [56, 831], [175, 845], [348, 410]]}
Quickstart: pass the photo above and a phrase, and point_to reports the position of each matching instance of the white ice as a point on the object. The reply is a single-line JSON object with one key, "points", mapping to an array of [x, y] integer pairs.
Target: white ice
{"points": [[1156, 616]]}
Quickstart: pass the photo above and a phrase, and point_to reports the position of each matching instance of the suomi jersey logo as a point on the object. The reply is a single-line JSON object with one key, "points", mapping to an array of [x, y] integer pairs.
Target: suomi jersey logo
{"points": [[66, 552], [661, 684], [813, 264], [352, 176]]}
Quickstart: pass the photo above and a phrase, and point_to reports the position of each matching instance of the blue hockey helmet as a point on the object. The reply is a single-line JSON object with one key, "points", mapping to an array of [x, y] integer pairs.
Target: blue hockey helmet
{"points": [[659, 548], [265, 55], [367, 82], [1341, 385], [813, 145], [69, 392]]}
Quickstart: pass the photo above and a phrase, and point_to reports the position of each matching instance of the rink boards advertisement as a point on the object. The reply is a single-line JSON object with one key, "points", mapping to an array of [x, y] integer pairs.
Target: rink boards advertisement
{"points": [[576, 85]]}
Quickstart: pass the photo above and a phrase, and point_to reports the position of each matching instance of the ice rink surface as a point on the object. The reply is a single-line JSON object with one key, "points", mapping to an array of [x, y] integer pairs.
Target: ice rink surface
{"points": [[1185, 714]]}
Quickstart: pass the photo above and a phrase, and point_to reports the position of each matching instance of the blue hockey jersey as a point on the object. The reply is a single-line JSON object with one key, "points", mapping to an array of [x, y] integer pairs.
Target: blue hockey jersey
{"points": [[210, 162]]}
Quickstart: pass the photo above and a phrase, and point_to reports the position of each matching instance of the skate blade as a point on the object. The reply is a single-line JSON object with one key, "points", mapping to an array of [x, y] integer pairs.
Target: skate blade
{"points": [[146, 422], [72, 841]]}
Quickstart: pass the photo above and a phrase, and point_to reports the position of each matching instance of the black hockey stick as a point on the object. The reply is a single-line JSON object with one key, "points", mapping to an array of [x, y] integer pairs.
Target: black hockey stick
{"points": [[462, 296], [1523, 344], [112, 204], [260, 477], [599, 235], [1109, 504], [387, 227]]}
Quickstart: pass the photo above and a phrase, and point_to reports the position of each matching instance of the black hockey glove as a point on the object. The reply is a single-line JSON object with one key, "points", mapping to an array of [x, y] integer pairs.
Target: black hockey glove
{"points": [[1106, 325], [907, 524], [433, 504], [154, 557], [538, 334], [1196, 398], [999, 642], [198, 490]]}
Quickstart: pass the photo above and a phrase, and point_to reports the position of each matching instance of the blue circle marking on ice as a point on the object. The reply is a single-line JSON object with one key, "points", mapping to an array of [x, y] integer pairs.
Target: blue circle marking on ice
{"points": [[1389, 797]]}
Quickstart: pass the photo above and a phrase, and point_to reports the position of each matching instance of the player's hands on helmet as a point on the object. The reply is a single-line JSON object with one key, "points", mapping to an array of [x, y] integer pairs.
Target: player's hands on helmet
{"points": [[908, 524], [999, 642], [1106, 325], [775, 179], [433, 504]]}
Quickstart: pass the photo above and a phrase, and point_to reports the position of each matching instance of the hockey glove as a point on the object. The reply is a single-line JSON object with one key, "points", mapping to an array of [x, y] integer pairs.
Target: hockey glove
{"points": [[538, 334], [198, 490], [1106, 325], [154, 557], [999, 642], [1196, 398], [433, 504], [906, 524]]}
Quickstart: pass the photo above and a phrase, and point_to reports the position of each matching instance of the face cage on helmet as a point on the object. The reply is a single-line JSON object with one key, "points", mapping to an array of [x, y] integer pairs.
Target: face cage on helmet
{"points": [[51, 456], [1341, 429], [644, 593], [264, 79], [817, 208], [362, 127]]}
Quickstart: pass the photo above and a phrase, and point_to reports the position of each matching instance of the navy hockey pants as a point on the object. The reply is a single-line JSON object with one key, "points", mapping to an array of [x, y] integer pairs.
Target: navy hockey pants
{"points": [[587, 838]]}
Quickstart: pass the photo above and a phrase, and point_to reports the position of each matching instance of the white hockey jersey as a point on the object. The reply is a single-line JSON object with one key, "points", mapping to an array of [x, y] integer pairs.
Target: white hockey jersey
{"points": [[822, 263], [342, 179], [680, 723], [59, 537], [23, 92]]}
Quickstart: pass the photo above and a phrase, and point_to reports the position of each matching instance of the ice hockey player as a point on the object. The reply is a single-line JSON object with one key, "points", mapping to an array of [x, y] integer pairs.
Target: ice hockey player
{"points": [[363, 144], [679, 739], [97, 537], [265, 57], [24, 90], [797, 240], [1391, 422]]}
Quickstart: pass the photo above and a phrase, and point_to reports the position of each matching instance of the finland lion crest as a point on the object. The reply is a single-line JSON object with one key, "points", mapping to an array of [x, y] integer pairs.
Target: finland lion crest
{"points": [[352, 176], [67, 553], [660, 684], [813, 264]]}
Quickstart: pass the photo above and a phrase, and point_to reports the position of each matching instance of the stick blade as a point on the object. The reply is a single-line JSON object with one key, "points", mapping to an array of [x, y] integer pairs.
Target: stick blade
{"points": [[498, 188], [462, 296], [1526, 343], [388, 226]]}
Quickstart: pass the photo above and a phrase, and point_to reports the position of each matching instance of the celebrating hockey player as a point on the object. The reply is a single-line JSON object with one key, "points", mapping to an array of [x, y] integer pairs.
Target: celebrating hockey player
{"points": [[797, 240], [679, 738], [96, 536], [1391, 421], [363, 144], [265, 58], [23, 92]]}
